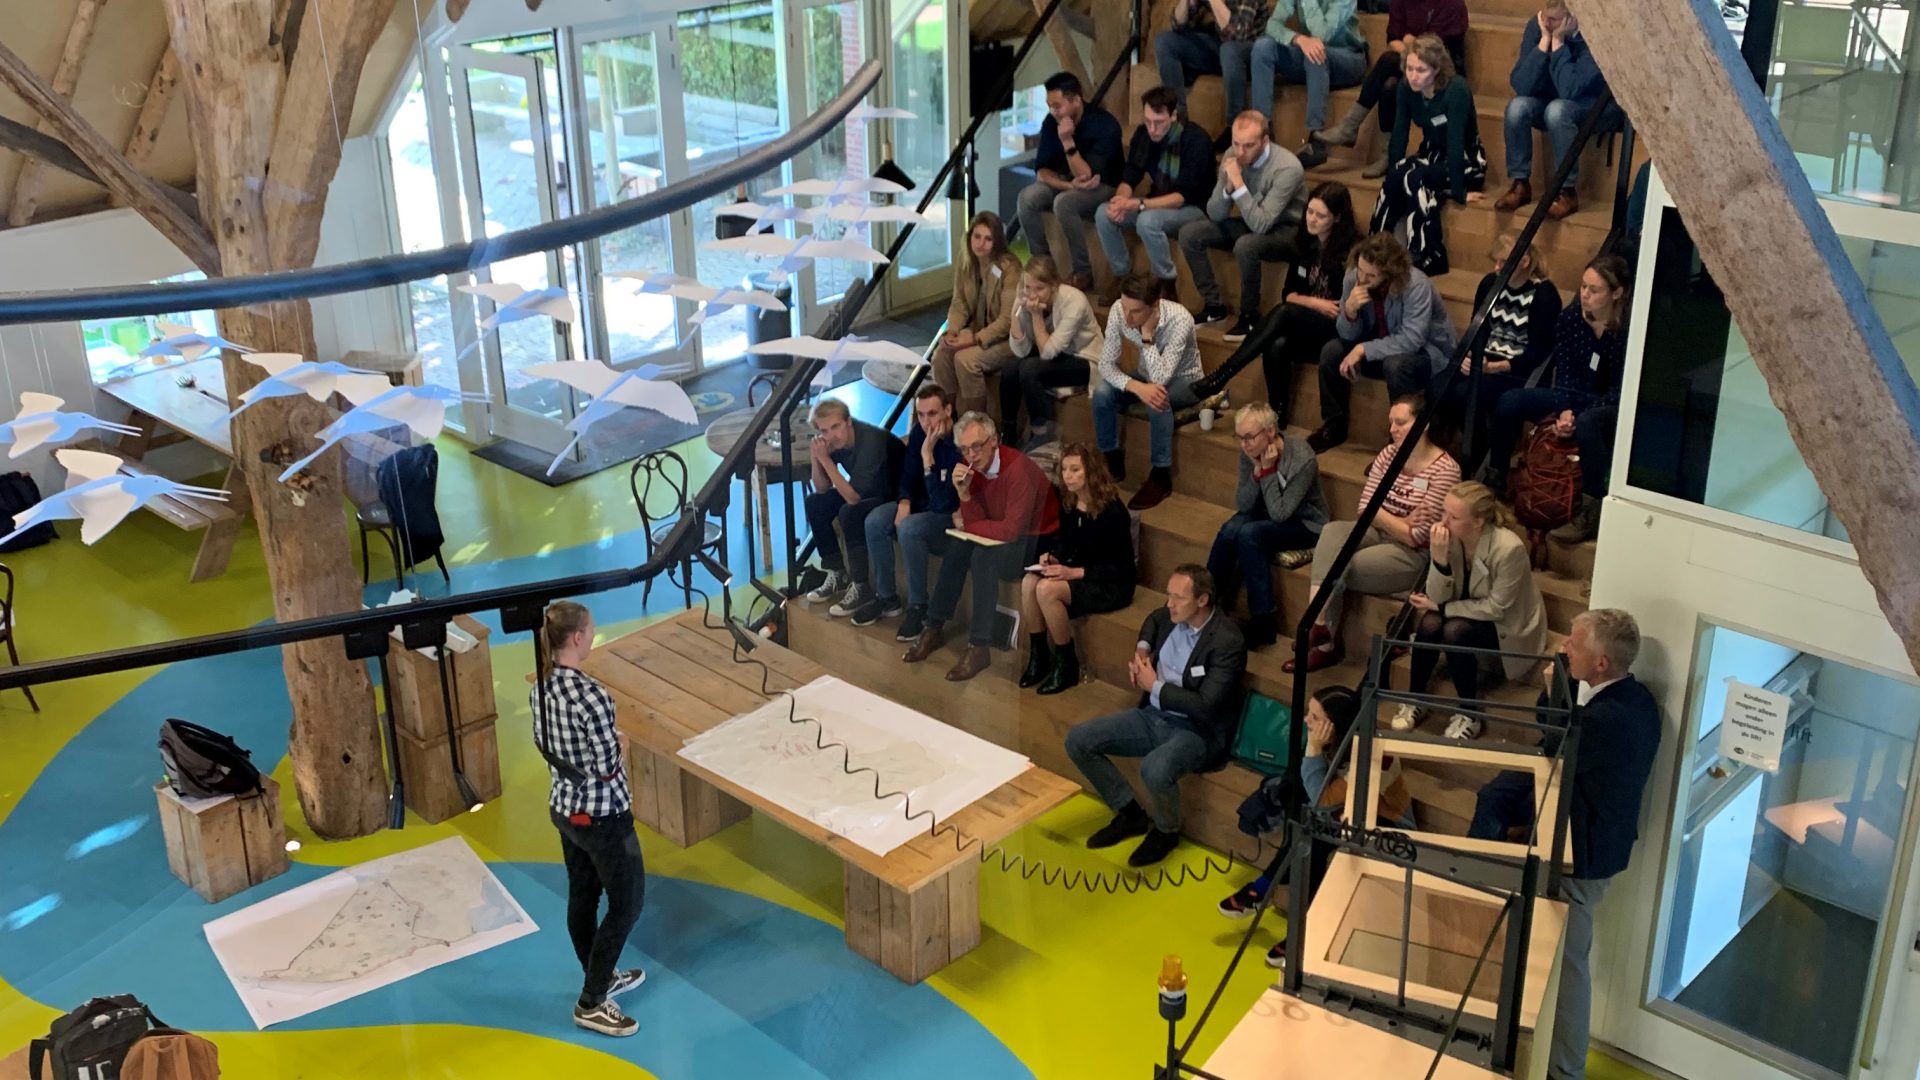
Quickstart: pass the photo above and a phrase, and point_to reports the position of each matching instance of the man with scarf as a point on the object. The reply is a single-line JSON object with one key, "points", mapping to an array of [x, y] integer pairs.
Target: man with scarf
{"points": [[1174, 157]]}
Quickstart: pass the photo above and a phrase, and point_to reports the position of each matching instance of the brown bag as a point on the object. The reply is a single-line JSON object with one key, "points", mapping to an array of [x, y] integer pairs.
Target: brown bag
{"points": [[167, 1054]]}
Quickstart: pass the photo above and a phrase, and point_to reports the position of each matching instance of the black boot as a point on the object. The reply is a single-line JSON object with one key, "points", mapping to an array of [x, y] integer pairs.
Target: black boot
{"points": [[1066, 670], [1129, 821], [1038, 662], [1116, 463], [1262, 630]]}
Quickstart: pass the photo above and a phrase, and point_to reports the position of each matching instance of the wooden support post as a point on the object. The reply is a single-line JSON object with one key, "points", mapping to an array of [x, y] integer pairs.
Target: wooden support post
{"points": [[1064, 47], [676, 804], [1829, 363], [26, 187]]}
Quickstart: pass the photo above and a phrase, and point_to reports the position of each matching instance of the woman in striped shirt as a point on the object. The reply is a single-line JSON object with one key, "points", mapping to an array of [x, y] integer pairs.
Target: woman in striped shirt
{"points": [[1392, 559]]}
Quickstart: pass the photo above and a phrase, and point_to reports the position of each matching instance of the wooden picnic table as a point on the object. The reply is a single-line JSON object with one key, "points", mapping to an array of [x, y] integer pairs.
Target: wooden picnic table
{"points": [[913, 910]]}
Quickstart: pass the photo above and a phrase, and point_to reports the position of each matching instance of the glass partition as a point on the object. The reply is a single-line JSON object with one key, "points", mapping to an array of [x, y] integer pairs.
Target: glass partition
{"points": [[1842, 84]]}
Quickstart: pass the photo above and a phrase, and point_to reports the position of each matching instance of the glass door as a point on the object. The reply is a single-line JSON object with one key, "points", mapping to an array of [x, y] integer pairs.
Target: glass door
{"points": [[513, 169], [826, 44], [920, 64]]}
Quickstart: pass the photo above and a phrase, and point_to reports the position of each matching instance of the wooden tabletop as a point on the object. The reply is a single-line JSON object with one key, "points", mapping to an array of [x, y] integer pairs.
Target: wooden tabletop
{"points": [[198, 411], [677, 679], [1286, 1038]]}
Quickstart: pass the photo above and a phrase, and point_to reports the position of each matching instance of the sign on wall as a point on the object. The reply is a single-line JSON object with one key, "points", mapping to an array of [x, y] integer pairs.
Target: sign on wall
{"points": [[1753, 725]]}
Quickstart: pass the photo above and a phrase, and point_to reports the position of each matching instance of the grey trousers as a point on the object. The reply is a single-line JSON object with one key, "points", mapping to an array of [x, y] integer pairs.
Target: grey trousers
{"points": [[1075, 210], [1567, 1060], [1381, 567]]}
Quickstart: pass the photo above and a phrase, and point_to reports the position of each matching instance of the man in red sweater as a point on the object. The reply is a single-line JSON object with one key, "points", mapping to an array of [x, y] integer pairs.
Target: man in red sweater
{"points": [[1006, 503]]}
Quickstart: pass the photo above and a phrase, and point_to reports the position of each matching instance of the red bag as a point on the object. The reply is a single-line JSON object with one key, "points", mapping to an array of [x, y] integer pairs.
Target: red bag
{"points": [[1545, 489]]}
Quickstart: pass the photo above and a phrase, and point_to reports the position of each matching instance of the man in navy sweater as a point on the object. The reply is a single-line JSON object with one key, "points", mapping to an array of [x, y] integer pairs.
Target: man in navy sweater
{"points": [[1619, 724], [919, 516], [1555, 80]]}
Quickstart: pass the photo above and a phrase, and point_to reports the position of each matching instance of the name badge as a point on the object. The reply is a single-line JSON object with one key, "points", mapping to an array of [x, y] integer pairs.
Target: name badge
{"points": [[1594, 363], [1440, 121], [1419, 483], [1199, 672], [997, 273]]}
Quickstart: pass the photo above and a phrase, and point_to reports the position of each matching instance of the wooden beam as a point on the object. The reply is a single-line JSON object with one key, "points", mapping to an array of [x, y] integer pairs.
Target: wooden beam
{"points": [[44, 149], [26, 187], [1829, 363], [119, 177], [1109, 41], [153, 110], [1064, 48]]}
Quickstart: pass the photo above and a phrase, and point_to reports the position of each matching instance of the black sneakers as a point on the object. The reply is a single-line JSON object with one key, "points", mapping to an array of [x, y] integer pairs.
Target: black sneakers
{"points": [[912, 625], [1129, 822], [1158, 845], [1240, 329], [607, 1019], [1213, 313], [877, 608], [1243, 903]]}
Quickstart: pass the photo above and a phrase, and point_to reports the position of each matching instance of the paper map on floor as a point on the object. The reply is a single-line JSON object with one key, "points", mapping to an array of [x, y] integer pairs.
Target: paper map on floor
{"points": [[362, 928], [940, 767]]}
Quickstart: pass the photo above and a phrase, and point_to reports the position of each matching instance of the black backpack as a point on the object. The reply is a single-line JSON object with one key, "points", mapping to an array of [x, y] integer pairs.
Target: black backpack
{"points": [[202, 763], [18, 492], [92, 1041]]}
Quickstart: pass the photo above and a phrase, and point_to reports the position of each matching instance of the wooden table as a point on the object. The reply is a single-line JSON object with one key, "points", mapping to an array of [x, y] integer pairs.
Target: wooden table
{"points": [[912, 911], [197, 412], [1286, 1038], [726, 430]]}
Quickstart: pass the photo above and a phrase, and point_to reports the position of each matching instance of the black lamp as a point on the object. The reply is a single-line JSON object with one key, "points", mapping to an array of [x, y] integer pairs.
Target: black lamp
{"points": [[890, 170], [961, 184]]}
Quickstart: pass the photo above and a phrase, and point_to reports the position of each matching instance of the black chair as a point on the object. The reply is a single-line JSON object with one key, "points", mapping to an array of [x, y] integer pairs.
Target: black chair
{"points": [[410, 480], [6, 631], [664, 470]]}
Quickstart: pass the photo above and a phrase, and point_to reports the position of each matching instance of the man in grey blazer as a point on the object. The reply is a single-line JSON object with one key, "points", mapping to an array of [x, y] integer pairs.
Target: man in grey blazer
{"points": [[1187, 666], [1254, 212]]}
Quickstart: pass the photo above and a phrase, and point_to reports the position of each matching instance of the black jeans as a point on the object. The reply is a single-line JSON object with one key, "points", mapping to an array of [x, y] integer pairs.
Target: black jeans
{"points": [[824, 509], [1033, 380], [601, 858], [1462, 667], [1403, 374], [1303, 333]]}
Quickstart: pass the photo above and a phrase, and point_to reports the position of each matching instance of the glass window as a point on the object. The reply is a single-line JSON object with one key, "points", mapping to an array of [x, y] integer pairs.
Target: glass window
{"points": [[1707, 430], [1842, 84], [113, 345], [622, 104], [1781, 885], [1020, 125], [416, 198]]}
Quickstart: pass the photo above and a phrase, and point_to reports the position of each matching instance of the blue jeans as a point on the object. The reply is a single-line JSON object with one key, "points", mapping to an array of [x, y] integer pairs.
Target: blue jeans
{"points": [[1246, 546], [1185, 55], [1342, 68], [1108, 401], [1560, 119], [1157, 228], [1168, 749], [920, 535], [1592, 430]]}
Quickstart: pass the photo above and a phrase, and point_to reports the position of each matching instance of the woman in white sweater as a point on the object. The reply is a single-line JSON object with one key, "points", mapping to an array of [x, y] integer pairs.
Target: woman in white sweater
{"points": [[1056, 339]]}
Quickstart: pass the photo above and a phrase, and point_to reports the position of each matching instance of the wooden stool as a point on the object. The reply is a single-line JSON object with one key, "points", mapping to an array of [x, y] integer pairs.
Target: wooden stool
{"points": [[426, 769], [222, 845]]}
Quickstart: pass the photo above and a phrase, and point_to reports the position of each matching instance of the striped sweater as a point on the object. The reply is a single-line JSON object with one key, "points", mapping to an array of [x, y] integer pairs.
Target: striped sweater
{"points": [[1414, 496]]}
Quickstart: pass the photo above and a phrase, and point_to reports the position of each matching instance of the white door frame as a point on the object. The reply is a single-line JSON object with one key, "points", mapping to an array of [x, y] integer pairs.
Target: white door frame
{"points": [[904, 292]]}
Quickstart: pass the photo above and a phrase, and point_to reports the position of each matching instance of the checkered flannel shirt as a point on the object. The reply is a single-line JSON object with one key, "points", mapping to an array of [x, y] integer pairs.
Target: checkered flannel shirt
{"points": [[580, 731]]}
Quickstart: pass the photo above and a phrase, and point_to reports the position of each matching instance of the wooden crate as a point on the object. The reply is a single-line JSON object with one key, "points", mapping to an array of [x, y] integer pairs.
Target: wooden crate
{"points": [[417, 704], [221, 846], [426, 768]]}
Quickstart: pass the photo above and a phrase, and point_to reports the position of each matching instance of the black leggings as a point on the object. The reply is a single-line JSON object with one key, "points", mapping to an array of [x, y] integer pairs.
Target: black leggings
{"points": [[1303, 332], [1462, 667], [1381, 83]]}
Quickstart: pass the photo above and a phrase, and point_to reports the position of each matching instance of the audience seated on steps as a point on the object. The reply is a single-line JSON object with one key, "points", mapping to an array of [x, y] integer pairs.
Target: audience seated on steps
{"points": [[1188, 666], [1325, 53], [1556, 81], [1582, 399], [1330, 714], [1090, 571], [1169, 366], [1254, 212], [1619, 737], [1296, 329], [1079, 161], [1057, 340], [1451, 162], [1173, 158], [1406, 20], [1479, 594], [1392, 559], [1009, 515], [1278, 508], [924, 506], [986, 285], [1520, 329], [1392, 324], [854, 468], [1211, 37]]}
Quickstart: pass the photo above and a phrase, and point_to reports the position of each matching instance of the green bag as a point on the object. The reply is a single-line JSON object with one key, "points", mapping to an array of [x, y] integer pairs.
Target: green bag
{"points": [[1262, 741]]}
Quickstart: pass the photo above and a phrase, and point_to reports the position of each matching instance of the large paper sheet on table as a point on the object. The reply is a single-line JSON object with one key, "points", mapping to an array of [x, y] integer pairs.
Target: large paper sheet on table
{"points": [[363, 927], [940, 768]]}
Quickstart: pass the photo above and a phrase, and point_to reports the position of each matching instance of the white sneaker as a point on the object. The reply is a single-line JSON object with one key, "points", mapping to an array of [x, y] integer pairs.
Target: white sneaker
{"points": [[850, 601], [607, 1019], [835, 584], [1404, 718], [1463, 727]]}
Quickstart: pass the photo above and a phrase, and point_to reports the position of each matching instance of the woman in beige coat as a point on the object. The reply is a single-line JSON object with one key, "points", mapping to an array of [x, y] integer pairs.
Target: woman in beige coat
{"points": [[985, 286], [1480, 594]]}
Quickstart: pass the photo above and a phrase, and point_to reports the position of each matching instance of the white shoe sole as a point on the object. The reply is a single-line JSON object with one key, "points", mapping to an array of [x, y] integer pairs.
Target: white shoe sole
{"points": [[602, 1029]]}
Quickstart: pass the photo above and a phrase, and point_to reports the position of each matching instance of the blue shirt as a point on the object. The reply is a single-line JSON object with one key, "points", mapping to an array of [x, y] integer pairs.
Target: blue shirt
{"points": [[1174, 654]]}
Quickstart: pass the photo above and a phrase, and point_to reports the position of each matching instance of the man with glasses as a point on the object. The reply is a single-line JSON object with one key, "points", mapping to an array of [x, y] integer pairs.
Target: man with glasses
{"points": [[1278, 508], [1009, 514]]}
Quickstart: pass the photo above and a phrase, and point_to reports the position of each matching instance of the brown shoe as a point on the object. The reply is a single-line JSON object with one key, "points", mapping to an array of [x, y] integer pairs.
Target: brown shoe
{"points": [[923, 646], [1519, 194], [1564, 204], [972, 662], [1151, 494], [1081, 281], [1109, 293]]}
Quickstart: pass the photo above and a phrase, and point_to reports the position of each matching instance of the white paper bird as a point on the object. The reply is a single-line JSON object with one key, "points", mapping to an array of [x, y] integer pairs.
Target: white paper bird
{"points": [[870, 113], [290, 374], [422, 408], [794, 254], [658, 282], [641, 388], [100, 496], [513, 303], [41, 421], [714, 301], [841, 189], [186, 343], [764, 217], [868, 212], [838, 354]]}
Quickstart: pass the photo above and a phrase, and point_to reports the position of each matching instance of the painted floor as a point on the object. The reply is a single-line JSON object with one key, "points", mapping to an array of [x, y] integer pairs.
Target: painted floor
{"points": [[748, 972]]}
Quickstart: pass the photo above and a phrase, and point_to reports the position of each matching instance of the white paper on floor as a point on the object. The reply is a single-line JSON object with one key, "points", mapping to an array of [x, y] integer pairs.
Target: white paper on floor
{"points": [[940, 767], [363, 927]]}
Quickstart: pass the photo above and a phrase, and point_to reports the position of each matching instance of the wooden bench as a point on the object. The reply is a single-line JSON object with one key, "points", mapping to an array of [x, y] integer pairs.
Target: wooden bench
{"points": [[192, 515], [912, 911]]}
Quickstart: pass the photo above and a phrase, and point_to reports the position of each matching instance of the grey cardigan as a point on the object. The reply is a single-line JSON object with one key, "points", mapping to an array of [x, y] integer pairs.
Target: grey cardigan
{"points": [[1275, 195], [1291, 491], [1074, 330], [1417, 322], [1500, 589]]}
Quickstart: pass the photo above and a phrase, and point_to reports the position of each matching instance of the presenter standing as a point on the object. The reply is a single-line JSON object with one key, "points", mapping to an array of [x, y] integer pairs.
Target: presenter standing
{"points": [[591, 806]]}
